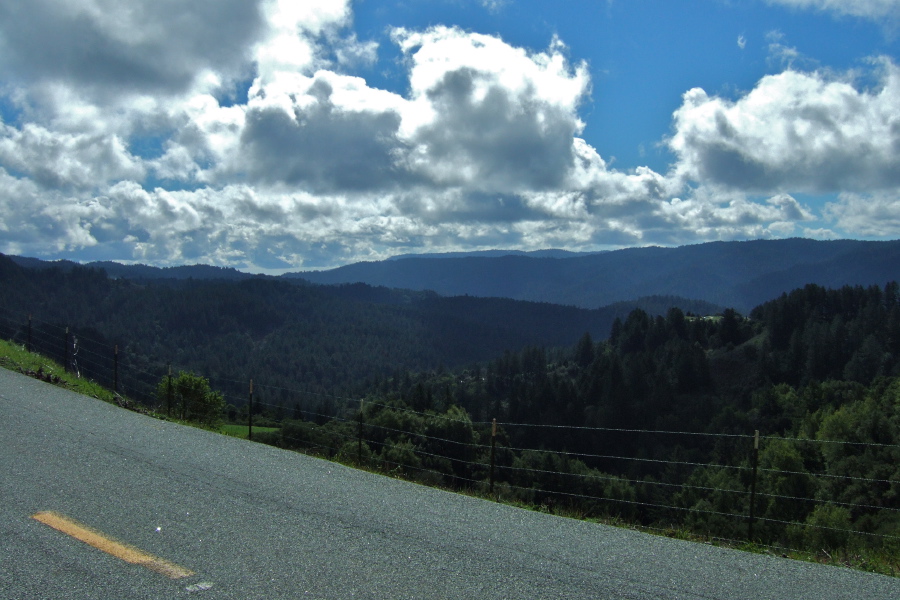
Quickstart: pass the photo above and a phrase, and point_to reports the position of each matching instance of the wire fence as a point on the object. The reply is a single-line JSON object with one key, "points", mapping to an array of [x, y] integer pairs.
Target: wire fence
{"points": [[757, 501]]}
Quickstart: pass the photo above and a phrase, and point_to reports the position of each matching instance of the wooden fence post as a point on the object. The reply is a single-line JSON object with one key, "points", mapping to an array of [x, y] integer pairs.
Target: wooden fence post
{"points": [[116, 370], [66, 351]]}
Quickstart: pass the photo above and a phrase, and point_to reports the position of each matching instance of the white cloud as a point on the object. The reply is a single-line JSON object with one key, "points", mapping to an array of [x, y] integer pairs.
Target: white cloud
{"points": [[870, 9], [487, 115], [60, 160], [793, 131], [782, 56], [494, 5], [268, 153], [290, 45], [115, 47], [870, 215]]}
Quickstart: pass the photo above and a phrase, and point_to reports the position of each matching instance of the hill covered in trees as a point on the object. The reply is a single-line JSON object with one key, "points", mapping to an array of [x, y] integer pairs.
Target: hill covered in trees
{"points": [[740, 275], [656, 423], [289, 334]]}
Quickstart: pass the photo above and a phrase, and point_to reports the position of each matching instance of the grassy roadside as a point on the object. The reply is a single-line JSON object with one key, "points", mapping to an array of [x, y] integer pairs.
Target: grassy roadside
{"points": [[16, 358], [240, 431]]}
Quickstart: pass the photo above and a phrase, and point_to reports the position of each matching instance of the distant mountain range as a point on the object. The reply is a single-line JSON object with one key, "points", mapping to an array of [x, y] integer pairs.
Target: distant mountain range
{"points": [[121, 271], [735, 274]]}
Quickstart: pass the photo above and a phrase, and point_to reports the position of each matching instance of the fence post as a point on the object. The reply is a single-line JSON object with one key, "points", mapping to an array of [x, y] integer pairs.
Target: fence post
{"points": [[30, 348], [493, 450], [359, 434], [250, 413], [116, 370], [169, 392], [755, 463], [66, 351]]}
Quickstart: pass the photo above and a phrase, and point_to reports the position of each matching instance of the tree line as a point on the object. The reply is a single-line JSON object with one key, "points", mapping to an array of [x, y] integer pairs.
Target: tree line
{"points": [[815, 371]]}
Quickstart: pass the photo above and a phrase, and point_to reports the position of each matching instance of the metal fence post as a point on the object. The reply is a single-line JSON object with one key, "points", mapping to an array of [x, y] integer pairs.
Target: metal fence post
{"points": [[250, 413], [30, 347], [66, 351], [755, 463], [169, 392], [116, 370], [360, 433], [493, 451]]}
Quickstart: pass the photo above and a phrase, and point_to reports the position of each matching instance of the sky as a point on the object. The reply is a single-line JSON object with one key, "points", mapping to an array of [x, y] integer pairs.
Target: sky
{"points": [[286, 135]]}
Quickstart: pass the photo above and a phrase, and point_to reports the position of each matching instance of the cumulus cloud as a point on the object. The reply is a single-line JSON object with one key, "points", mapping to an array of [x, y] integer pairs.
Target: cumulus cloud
{"points": [[800, 131], [333, 132], [488, 115], [116, 47], [140, 136], [61, 160], [869, 215]]}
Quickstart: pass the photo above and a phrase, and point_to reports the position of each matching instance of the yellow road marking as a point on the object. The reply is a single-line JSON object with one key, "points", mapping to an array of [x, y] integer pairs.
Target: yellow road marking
{"points": [[94, 538]]}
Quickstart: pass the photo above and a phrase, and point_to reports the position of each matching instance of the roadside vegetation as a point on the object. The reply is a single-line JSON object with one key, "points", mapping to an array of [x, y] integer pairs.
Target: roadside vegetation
{"points": [[649, 420], [16, 358], [649, 429]]}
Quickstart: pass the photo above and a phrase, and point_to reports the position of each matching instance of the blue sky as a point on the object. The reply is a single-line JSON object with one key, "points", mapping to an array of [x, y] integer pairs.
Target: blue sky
{"points": [[272, 135], [642, 54]]}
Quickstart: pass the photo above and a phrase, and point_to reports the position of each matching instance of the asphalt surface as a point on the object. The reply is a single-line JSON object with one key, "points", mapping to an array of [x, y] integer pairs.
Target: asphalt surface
{"points": [[253, 521]]}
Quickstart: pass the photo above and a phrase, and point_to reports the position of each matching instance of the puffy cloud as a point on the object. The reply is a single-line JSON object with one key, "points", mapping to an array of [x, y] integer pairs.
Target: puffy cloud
{"points": [[61, 160], [870, 9], [487, 115], [289, 45], [117, 47], [332, 132], [481, 115], [715, 214], [266, 153], [870, 215], [798, 131]]}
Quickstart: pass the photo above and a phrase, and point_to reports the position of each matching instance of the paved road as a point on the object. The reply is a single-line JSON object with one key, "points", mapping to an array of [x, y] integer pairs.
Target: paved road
{"points": [[256, 522]]}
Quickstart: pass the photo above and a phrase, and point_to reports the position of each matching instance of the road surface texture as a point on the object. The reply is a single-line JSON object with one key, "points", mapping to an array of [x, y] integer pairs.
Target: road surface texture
{"points": [[228, 518]]}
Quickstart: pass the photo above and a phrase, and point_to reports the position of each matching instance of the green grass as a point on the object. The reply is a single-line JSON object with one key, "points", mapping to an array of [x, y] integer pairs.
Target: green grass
{"points": [[240, 431], [16, 358]]}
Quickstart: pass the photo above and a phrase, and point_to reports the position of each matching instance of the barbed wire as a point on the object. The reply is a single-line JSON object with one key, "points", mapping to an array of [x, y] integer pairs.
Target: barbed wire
{"points": [[828, 476], [615, 430], [422, 435], [630, 502], [630, 458], [829, 528]]}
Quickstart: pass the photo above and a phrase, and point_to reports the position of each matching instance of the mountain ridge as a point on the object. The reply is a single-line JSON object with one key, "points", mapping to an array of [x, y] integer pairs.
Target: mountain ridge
{"points": [[735, 274]]}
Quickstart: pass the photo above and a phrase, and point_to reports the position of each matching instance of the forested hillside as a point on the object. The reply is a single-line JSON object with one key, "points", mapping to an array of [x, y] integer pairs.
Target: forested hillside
{"points": [[740, 275], [291, 335], [656, 423]]}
